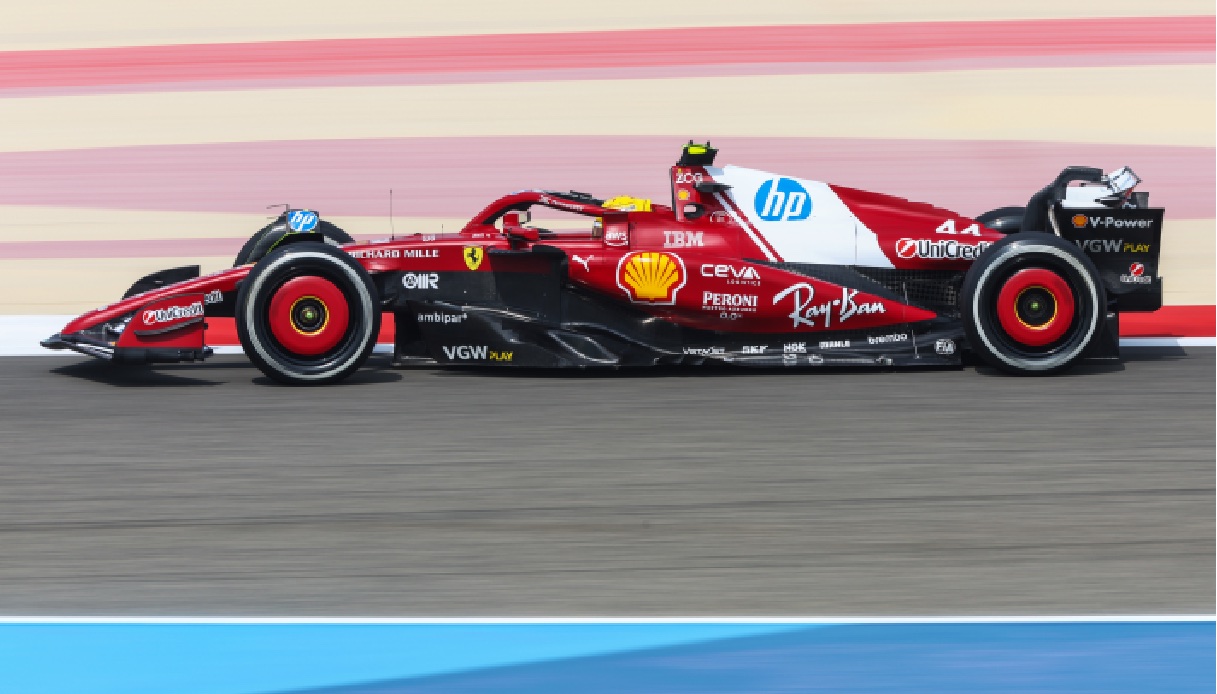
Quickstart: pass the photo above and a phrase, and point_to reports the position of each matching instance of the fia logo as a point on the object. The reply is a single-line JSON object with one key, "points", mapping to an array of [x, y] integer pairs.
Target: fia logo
{"points": [[782, 200], [302, 221]]}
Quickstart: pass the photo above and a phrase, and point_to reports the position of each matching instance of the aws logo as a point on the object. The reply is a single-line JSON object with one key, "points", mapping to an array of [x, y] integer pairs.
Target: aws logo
{"points": [[651, 277], [782, 200]]}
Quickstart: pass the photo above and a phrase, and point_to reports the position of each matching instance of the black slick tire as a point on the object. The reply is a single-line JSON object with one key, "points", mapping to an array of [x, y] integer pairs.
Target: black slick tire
{"points": [[353, 294], [260, 243], [987, 321]]}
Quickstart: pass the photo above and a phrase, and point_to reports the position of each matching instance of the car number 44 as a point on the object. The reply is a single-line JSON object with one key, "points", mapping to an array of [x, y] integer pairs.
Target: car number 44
{"points": [[948, 227]]}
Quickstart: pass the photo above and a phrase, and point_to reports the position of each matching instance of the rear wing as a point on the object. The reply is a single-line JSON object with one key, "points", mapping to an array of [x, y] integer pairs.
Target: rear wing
{"points": [[1124, 244]]}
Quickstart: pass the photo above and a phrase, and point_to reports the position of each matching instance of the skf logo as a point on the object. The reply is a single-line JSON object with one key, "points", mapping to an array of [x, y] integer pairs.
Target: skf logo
{"points": [[473, 257], [651, 277], [1079, 221], [782, 200]]}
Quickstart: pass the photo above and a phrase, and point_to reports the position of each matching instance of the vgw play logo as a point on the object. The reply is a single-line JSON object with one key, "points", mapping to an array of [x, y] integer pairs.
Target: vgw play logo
{"points": [[782, 200]]}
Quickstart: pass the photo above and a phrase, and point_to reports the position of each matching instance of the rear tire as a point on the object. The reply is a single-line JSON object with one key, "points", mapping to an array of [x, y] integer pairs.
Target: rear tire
{"points": [[1007, 220], [1032, 304], [308, 313]]}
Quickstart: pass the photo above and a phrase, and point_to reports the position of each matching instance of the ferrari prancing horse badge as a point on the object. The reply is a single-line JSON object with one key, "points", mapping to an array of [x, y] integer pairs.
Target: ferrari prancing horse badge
{"points": [[473, 257]]}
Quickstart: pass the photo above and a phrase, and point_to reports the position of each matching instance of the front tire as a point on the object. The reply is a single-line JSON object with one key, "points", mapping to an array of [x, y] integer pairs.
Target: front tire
{"points": [[261, 242], [1032, 304], [308, 313]]}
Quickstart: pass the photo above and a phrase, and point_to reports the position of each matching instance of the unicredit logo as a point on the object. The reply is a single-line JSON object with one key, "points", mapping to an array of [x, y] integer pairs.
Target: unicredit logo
{"points": [[1136, 275], [946, 249], [172, 313]]}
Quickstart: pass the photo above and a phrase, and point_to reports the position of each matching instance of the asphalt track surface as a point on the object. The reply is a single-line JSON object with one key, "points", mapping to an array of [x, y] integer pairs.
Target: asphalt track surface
{"points": [[207, 490]]}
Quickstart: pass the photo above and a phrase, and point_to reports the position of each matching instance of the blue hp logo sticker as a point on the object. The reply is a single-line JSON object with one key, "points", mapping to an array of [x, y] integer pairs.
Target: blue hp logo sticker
{"points": [[782, 200], [302, 220]]}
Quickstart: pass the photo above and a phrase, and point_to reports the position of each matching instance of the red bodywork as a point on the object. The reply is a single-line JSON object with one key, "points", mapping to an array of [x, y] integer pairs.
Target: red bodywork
{"points": [[715, 270]]}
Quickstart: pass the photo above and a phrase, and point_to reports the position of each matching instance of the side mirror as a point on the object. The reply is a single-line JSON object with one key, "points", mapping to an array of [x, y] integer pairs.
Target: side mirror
{"points": [[515, 219], [523, 234]]}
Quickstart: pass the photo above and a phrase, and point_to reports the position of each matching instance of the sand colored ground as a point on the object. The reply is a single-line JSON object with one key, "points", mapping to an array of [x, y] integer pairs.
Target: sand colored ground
{"points": [[1172, 105], [59, 24]]}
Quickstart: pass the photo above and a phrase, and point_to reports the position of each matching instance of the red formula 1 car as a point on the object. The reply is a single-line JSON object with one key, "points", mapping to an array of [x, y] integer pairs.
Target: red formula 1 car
{"points": [[745, 267]]}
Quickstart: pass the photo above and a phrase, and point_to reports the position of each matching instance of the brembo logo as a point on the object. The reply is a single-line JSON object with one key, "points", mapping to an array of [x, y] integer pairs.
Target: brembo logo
{"points": [[782, 200], [948, 249], [172, 313]]}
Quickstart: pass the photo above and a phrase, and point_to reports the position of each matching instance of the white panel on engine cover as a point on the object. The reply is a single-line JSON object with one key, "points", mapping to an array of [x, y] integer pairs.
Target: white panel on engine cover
{"points": [[1085, 197], [804, 221]]}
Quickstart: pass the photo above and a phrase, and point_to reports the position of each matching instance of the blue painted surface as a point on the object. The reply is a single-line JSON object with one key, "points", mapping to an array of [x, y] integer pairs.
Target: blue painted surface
{"points": [[1163, 658], [253, 658], [600, 658]]}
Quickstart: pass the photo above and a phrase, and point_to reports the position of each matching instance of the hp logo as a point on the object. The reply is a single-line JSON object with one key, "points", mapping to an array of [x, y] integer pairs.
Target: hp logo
{"points": [[302, 220], [782, 199]]}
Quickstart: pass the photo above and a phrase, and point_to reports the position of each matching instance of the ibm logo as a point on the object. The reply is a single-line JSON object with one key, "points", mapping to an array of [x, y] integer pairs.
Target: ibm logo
{"points": [[782, 199]]}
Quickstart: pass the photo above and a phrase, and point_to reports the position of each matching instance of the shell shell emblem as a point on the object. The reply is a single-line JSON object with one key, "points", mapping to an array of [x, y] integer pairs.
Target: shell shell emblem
{"points": [[651, 277], [1079, 221]]}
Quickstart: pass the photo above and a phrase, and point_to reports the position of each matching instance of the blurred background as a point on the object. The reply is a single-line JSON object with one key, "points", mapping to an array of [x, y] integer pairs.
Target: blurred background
{"points": [[138, 135]]}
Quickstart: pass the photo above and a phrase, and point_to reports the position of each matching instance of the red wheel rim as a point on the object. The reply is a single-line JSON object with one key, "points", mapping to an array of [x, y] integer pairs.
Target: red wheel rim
{"points": [[1035, 307], [308, 315]]}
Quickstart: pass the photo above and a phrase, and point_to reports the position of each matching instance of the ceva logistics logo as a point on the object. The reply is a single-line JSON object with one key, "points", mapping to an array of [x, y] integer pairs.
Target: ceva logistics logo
{"points": [[782, 200]]}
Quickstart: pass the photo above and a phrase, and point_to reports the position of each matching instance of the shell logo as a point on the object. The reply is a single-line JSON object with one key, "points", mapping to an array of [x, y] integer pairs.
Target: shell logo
{"points": [[651, 277], [1079, 221]]}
